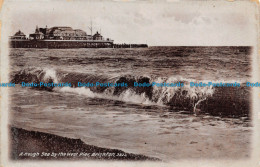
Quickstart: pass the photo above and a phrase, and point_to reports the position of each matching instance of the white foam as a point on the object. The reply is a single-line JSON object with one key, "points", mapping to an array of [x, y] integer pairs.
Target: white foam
{"points": [[50, 74], [131, 96], [80, 91], [126, 96], [167, 93]]}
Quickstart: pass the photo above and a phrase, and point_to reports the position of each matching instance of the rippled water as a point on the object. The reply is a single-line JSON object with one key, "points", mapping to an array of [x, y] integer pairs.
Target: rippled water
{"points": [[200, 63], [145, 121]]}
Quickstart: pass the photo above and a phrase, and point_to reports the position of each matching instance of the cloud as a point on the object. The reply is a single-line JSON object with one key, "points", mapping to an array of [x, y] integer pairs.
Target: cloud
{"points": [[181, 16]]}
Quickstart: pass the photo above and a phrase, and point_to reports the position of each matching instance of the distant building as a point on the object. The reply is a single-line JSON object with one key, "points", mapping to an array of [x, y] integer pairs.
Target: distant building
{"points": [[62, 37], [18, 35], [58, 33], [37, 35], [64, 33], [97, 36]]}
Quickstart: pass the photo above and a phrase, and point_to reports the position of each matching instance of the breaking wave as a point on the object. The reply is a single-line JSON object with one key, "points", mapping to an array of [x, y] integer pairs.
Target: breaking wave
{"points": [[221, 101]]}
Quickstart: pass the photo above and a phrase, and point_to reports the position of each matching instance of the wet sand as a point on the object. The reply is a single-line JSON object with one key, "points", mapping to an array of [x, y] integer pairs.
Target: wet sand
{"points": [[38, 146]]}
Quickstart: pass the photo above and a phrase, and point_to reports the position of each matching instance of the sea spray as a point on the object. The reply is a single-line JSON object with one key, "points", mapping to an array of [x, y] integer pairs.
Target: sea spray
{"points": [[212, 100]]}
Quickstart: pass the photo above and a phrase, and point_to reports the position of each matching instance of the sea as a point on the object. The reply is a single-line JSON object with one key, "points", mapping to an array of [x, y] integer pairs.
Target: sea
{"points": [[164, 122]]}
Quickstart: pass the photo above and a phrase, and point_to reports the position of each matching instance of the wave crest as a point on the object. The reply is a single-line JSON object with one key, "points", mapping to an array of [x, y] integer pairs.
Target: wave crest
{"points": [[224, 101]]}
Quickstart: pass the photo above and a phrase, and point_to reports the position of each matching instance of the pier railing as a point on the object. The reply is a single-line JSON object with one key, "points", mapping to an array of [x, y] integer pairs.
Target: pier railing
{"points": [[130, 45]]}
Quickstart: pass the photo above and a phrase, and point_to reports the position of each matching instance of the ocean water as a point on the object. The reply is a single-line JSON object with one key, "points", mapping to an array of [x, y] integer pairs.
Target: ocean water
{"points": [[154, 121]]}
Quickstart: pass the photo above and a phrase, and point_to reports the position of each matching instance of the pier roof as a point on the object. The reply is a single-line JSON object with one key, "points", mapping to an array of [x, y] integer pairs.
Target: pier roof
{"points": [[19, 33]]}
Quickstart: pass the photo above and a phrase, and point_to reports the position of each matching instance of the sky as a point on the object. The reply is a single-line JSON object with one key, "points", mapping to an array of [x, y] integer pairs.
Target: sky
{"points": [[183, 23]]}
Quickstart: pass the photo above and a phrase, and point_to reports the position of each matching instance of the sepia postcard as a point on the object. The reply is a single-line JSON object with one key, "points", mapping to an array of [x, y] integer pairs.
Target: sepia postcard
{"points": [[130, 83]]}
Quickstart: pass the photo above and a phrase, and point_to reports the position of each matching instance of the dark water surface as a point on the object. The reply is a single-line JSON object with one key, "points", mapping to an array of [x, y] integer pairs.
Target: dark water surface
{"points": [[144, 121]]}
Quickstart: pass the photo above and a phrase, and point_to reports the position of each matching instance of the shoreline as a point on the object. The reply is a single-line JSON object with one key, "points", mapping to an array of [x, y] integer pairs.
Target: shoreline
{"points": [[34, 145]]}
